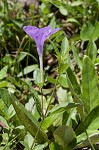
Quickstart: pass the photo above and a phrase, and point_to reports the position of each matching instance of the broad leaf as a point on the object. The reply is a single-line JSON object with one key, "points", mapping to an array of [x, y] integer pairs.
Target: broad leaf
{"points": [[90, 92], [3, 72], [90, 31], [64, 135]]}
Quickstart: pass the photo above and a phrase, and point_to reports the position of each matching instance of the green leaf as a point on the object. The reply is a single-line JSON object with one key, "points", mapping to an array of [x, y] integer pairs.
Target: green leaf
{"points": [[76, 3], [57, 112], [17, 22], [56, 3], [28, 141], [44, 8], [40, 146], [90, 92], [3, 72], [93, 138], [73, 81], [29, 121], [37, 100], [54, 146], [91, 50], [90, 31], [3, 84], [53, 22], [27, 70], [73, 20], [55, 48], [95, 34], [3, 122], [87, 121], [62, 95], [93, 127], [62, 68], [64, 135], [75, 89], [63, 10], [21, 56], [62, 107], [76, 57], [37, 77], [51, 80], [62, 80], [7, 59], [64, 46], [86, 31], [4, 95], [48, 121]]}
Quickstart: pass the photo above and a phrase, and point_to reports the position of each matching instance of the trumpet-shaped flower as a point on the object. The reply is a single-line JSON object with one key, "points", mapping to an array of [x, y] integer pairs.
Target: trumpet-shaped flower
{"points": [[39, 35]]}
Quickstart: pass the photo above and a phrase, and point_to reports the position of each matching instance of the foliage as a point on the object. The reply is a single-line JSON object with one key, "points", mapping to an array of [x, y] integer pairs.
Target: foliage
{"points": [[63, 114]]}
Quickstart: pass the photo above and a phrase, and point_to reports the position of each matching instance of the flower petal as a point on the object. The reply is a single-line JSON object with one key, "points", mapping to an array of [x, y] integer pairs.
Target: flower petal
{"points": [[54, 31], [48, 33], [31, 31], [39, 35]]}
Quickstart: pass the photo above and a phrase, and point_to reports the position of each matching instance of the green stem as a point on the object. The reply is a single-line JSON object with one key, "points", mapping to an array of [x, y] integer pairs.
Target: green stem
{"points": [[42, 104], [88, 137], [89, 141], [41, 68], [41, 85], [43, 115], [51, 97]]}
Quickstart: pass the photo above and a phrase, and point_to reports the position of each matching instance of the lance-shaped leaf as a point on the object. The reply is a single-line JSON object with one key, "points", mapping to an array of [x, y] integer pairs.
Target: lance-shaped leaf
{"points": [[90, 92], [93, 138], [73, 80], [91, 50], [4, 95], [87, 120], [29, 121], [3, 72], [75, 89]]}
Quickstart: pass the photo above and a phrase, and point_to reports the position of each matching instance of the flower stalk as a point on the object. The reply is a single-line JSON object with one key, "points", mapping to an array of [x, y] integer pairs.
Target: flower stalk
{"points": [[41, 69]]}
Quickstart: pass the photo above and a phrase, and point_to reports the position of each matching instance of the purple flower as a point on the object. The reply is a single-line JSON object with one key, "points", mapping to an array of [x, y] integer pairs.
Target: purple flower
{"points": [[39, 35]]}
